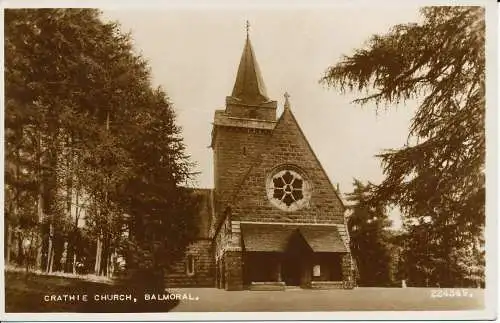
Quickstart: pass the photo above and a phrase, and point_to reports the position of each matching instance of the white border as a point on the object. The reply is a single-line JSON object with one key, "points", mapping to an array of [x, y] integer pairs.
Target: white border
{"points": [[492, 122]]}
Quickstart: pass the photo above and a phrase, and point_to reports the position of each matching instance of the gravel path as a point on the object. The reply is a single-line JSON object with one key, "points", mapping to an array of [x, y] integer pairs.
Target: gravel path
{"points": [[359, 299]]}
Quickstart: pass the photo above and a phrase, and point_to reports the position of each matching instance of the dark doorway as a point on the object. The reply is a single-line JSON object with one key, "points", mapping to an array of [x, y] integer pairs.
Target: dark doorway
{"points": [[292, 269], [329, 266], [296, 260], [260, 267]]}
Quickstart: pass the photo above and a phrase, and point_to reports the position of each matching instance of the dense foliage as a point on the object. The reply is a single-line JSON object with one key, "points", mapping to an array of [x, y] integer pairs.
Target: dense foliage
{"points": [[438, 176], [368, 229], [93, 155]]}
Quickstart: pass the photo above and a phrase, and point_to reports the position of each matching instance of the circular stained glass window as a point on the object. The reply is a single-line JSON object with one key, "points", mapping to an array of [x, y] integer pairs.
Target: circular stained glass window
{"points": [[288, 190]]}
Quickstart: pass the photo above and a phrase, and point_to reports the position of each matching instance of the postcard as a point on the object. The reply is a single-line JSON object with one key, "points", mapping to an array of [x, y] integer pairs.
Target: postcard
{"points": [[282, 160]]}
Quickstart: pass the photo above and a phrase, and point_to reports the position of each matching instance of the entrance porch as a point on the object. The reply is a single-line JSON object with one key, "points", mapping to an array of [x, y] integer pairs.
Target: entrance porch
{"points": [[307, 257], [265, 270]]}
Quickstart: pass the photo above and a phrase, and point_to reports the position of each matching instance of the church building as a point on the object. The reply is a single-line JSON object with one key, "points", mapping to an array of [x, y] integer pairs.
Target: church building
{"points": [[273, 219]]}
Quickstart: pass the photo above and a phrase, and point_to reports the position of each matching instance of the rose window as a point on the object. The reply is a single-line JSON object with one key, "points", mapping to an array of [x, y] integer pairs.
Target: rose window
{"points": [[287, 190]]}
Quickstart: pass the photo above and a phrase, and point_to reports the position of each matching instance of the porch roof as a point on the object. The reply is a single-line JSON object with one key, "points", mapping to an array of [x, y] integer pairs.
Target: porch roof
{"points": [[323, 239], [263, 237], [275, 237]]}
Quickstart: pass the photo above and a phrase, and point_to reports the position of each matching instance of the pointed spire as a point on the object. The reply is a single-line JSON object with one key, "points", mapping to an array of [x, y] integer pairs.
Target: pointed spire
{"points": [[287, 102], [249, 86]]}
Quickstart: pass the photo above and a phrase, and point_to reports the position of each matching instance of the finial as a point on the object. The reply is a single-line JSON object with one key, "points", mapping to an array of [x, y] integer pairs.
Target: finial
{"points": [[287, 102], [247, 26]]}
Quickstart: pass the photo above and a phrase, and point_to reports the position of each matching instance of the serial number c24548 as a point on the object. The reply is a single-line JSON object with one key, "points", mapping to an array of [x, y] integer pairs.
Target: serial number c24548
{"points": [[450, 292]]}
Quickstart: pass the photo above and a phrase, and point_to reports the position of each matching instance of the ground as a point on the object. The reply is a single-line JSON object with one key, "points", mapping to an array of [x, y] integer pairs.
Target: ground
{"points": [[28, 293], [359, 299]]}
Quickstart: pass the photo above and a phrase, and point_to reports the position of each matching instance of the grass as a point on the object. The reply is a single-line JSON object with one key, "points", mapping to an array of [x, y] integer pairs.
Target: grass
{"points": [[31, 293]]}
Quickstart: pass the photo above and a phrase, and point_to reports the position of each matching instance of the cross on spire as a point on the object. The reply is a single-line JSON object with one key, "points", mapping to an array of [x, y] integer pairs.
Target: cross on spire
{"points": [[249, 85], [287, 102]]}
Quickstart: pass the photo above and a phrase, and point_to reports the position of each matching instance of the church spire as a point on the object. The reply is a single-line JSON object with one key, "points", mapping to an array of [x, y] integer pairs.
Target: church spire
{"points": [[249, 86]]}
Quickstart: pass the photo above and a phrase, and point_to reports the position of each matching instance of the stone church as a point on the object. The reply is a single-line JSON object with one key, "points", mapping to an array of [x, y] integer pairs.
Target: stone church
{"points": [[274, 219]]}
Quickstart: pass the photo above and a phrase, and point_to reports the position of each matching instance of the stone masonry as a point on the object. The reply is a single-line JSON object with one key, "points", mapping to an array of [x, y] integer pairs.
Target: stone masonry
{"points": [[252, 148], [204, 267]]}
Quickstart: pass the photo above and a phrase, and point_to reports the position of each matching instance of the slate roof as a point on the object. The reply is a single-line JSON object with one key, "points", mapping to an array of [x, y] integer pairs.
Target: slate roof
{"points": [[249, 86], [275, 237], [323, 239], [258, 237]]}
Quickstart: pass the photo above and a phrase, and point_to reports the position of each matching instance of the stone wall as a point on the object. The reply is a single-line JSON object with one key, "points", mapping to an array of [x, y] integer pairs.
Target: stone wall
{"points": [[233, 270], [347, 271], [228, 256], [228, 238], [244, 158], [287, 146], [204, 267], [234, 150], [265, 111]]}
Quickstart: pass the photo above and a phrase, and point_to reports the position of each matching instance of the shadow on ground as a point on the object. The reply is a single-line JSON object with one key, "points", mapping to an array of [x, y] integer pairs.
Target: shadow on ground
{"points": [[28, 293]]}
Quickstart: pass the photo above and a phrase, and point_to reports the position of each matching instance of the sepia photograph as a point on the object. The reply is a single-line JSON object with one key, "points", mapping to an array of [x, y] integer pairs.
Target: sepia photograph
{"points": [[287, 159]]}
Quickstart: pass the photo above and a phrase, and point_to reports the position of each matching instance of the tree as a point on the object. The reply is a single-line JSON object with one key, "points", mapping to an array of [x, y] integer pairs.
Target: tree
{"points": [[59, 65], [370, 247], [427, 260], [83, 127], [161, 210], [439, 173]]}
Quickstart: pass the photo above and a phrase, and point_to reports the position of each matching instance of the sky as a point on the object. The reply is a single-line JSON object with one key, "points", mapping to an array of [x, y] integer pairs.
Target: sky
{"points": [[194, 56]]}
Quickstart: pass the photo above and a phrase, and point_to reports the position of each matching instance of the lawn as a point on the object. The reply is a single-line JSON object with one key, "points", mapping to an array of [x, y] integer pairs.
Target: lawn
{"points": [[29, 293]]}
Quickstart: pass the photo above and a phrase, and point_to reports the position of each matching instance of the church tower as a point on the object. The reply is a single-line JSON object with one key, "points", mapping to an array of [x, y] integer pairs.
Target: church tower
{"points": [[241, 128], [274, 219], [278, 219]]}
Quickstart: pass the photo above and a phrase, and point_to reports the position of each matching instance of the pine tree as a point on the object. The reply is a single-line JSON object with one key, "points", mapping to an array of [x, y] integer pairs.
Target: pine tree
{"points": [[86, 130], [368, 224], [439, 174]]}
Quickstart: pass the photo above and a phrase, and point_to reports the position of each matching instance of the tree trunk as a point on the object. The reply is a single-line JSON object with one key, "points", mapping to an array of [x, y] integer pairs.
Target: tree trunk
{"points": [[39, 242], [98, 253], [112, 260], [49, 152], [75, 228], [12, 215], [64, 256], [40, 207], [107, 255], [8, 246], [11, 236], [51, 267], [19, 254], [74, 249], [104, 257], [50, 249], [74, 262]]}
